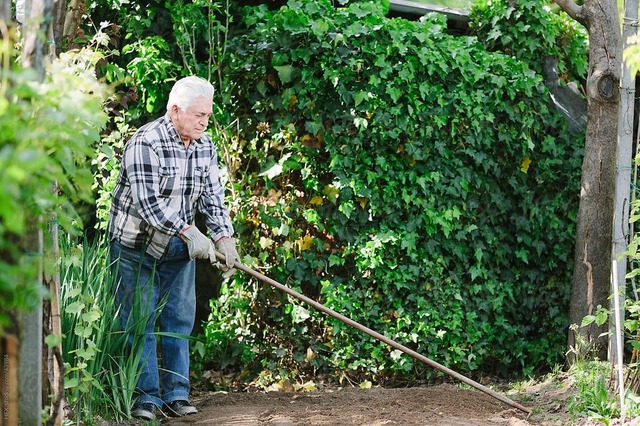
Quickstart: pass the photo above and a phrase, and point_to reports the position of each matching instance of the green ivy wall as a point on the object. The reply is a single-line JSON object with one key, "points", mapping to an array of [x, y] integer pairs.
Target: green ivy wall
{"points": [[416, 182]]}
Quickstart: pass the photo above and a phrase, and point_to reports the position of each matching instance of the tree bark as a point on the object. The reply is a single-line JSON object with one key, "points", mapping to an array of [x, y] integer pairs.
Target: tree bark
{"points": [[75, 10], [590, 285], [57, 25]]}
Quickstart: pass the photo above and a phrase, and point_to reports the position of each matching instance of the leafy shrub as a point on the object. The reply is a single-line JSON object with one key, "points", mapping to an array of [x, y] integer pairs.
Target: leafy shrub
{"points": [[46, 133], [529, 29], [411, 180], [106, 164]]}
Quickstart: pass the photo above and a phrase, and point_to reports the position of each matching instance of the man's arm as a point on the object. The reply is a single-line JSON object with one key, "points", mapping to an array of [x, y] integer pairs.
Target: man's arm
{"points": [[211, 204]]}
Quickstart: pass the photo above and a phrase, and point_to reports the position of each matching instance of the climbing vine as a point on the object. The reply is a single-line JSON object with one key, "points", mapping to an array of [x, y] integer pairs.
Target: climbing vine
{"points": [[413, 180]]}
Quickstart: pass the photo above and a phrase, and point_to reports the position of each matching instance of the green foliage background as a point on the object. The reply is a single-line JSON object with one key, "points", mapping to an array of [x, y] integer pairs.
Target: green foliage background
{"points": [[417, 182]]}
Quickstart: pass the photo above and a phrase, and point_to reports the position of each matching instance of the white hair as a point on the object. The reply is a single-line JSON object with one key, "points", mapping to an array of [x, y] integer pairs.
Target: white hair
{"points": [[187, 89]]}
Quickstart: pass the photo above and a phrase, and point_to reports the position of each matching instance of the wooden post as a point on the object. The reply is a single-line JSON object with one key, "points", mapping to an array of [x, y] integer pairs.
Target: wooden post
{"points": [[52, 278], [623, 176]]}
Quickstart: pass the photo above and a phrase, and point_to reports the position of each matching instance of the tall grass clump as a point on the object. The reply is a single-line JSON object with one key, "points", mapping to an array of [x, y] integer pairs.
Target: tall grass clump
{"points": [[101, 360]]}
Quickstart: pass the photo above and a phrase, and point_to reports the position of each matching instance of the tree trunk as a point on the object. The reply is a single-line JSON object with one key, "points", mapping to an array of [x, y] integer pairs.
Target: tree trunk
{"points": [[590, 286], [73, 18], [57, 25]]}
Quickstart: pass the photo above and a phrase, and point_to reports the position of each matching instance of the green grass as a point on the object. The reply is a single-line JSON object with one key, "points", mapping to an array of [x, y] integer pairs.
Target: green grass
{"points": [[101, 368]]}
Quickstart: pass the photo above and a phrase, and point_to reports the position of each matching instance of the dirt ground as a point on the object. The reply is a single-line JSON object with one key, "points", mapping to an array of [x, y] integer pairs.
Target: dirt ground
{"points": [[443, 405]]}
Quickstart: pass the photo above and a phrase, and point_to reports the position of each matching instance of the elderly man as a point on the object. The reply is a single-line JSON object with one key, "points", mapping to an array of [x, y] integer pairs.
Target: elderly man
{"points": [[169, 169]]}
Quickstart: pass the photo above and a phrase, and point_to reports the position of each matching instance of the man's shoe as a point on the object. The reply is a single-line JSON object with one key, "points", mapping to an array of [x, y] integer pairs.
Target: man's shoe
{"points": [[180, 408], [144, 411]]}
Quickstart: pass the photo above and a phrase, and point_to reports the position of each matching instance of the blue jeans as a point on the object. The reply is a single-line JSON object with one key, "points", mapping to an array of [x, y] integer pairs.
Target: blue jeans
{"points": [[171, 278]]}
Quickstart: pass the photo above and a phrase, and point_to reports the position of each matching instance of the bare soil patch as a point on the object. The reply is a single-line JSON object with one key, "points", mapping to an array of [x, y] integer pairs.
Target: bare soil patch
{"points": [[444, 404]]}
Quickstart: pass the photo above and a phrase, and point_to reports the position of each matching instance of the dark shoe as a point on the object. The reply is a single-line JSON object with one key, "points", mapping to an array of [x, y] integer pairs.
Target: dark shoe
{"points": [[180, 408], [144, 411]]}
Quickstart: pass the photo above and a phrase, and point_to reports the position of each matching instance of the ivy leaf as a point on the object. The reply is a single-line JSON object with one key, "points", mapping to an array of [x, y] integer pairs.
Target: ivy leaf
{"points": [[347, 208], [299, 314], [305, 242], [331, 192], [588, 319], [394, 92], [286, 73], [316, 200], [361, 96]]}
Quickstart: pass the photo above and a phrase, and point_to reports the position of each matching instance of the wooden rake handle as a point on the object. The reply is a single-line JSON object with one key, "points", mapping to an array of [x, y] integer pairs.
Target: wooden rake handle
{"points": [[376, 335]]}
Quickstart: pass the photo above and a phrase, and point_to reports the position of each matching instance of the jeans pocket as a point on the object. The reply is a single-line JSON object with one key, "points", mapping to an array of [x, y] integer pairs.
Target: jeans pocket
{"points": [[176, 250]]}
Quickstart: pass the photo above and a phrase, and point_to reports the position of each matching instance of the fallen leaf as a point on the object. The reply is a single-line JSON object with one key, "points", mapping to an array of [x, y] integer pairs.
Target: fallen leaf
{"points": [[365, 385], [309, 386]]}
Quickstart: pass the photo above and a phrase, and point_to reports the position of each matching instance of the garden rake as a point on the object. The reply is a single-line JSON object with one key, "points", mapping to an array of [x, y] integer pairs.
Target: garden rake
{"points": [[376, 335]]}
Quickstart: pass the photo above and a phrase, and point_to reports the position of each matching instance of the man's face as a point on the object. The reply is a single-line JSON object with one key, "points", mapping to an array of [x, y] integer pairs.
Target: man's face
{"points": [[192, 121]]}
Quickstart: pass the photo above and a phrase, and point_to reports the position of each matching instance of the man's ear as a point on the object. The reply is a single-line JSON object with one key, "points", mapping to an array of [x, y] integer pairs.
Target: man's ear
{"points": [[173, 112]]}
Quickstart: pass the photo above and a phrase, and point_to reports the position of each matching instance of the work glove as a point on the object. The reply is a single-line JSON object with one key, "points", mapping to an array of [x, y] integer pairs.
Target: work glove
{"points": [[227, 247], [197, 243]]}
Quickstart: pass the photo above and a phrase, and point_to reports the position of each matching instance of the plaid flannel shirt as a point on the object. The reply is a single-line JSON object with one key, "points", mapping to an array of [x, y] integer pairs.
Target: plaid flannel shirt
{"points": [[161, 184]]}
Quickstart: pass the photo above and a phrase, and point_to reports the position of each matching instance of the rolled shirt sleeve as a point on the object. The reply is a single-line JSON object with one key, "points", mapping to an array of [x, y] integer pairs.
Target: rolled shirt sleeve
{"points": [[211, 203]]}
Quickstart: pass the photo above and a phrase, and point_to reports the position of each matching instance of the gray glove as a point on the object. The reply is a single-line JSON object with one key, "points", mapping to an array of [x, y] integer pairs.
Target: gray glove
{"points": [[197, 243], [227, 247]]}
